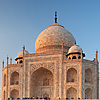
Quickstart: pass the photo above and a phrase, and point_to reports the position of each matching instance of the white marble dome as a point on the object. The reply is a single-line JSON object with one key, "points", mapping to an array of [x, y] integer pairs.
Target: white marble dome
{"points": [[20, 54], [74, 49], [51, 39]]}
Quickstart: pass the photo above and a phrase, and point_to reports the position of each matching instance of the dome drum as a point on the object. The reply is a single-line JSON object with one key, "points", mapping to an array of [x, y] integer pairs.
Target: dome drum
{"points": [[52, 48]]}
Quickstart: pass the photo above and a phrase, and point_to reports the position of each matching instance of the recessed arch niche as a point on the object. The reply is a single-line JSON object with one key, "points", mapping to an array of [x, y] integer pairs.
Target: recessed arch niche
{"points": [[42, 83]]}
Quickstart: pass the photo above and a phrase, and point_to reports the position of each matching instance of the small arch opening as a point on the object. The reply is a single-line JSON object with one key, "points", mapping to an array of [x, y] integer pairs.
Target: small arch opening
{"points": [[79, 57], [21, 61], [74, 57], [69, 57]]}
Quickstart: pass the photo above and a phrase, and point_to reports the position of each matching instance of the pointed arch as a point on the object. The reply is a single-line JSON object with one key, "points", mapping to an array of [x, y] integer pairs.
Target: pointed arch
{"points": [[14, 80], [14, 94], [88, 76], [74, 57], [72, 75], [41, 83], [71, 93], [88, 93], [38, 67]]}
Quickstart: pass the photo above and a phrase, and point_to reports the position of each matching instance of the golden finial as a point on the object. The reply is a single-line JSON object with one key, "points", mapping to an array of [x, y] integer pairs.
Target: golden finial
{"points": [[55, 17]]}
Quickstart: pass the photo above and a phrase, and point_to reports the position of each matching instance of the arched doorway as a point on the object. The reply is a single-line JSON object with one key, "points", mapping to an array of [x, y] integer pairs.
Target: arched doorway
{"points": [[14, 94], [14, 80], [71, 75], [42, 83], [88, 76], [88, 93], [71, 93]]}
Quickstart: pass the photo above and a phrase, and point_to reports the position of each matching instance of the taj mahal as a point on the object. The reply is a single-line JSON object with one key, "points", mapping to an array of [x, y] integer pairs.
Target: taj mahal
{"points": [[56, 70]]}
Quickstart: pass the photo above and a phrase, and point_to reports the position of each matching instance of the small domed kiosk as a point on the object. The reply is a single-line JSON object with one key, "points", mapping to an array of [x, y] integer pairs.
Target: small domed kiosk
{"points": [[75, 52], [19, 58]]}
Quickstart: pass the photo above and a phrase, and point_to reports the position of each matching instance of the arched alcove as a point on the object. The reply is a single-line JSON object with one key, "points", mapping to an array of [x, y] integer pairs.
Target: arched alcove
{"points": [[88, 93], [42, 83], [88, 76], [71, 93], [79, 57], [5, 80], [74, 57], [14, 94], [14, 80], [72, 75]]}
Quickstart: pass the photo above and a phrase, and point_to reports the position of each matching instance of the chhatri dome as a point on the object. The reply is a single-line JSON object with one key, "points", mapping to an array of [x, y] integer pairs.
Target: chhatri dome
{"points": [[74, 49], [51, 39], [20, 54]]}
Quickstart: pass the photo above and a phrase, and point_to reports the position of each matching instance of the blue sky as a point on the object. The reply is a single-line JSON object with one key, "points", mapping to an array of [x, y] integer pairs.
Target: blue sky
{"points": [[21, 21]]}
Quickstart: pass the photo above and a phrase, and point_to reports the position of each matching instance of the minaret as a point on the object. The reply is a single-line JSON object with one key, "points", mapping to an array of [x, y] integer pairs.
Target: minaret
{"points": [[7, 80], [96, 56]]}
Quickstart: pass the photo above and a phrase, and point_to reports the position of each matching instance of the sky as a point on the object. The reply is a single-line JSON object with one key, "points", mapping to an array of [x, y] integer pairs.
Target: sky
{"points": [[21, 21]]}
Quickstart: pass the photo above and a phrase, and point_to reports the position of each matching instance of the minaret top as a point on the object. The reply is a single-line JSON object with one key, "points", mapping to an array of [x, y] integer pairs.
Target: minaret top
{"points": [[55, 17]]}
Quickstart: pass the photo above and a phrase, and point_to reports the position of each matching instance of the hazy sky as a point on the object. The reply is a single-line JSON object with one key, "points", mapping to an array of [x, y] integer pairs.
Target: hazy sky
{"points": [[21, 21]]}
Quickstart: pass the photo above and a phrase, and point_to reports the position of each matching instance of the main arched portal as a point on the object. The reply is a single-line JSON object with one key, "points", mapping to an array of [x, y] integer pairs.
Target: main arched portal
{"points": [[42, 83]]}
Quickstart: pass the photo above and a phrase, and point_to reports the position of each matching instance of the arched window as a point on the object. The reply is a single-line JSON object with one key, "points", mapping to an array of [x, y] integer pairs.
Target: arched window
{"points": [[88, 76], [14, 80], [69, 57], [79, 57], [21, 61], [71, 93], [14, 94], [74, 57], [71, 75], [88, 93], [5, 80]]}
